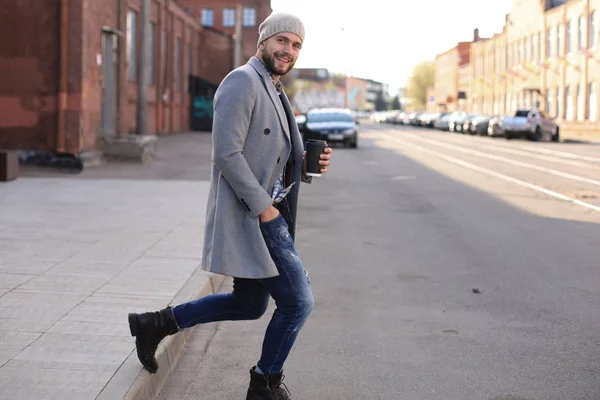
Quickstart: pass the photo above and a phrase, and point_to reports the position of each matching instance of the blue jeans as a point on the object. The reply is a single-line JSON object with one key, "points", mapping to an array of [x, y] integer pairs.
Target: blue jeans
{"points": [[249, 299]]}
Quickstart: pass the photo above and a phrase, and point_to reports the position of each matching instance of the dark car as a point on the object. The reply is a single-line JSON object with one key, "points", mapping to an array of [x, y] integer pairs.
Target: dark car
{"points": [[335, 125], [468, 123], [479, 124]]}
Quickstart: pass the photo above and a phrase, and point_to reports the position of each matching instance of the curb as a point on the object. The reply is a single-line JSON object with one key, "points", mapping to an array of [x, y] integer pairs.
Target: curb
{"points": [[132, 381]]}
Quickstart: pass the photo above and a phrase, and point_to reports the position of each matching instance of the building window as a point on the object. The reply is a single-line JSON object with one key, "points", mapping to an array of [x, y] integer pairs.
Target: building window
{"points": [[539, 46], [229, 17], [580, 105], [513, 54], [131, 37], [591, 106], [533, 47], [568, 104], [525, 50], [208, 17], [549, 43], [580, 32], [176, 65], [593, 31], [569, 35], [559, 40], [151, 53], [549, 101], [249, 17], [558, 101]]}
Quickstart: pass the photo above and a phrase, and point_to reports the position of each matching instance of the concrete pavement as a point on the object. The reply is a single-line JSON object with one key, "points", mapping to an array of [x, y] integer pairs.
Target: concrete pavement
{"points": [[395, 239], [77, 254]]}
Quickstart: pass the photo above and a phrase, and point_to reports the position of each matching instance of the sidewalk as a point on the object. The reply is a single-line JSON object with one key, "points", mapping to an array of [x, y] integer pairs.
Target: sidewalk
{"points": [[76, 255]]}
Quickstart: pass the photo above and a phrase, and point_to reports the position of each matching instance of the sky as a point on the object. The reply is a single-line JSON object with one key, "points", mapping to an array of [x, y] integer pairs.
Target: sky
{"points": [[384, 39]]}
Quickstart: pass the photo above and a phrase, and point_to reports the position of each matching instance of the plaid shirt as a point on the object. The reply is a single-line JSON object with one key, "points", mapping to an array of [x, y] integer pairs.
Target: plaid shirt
{"points": [[279, 192]]}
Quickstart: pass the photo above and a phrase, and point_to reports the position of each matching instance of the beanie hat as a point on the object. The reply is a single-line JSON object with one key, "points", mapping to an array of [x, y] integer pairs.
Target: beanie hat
{"points": [[277, 23]]}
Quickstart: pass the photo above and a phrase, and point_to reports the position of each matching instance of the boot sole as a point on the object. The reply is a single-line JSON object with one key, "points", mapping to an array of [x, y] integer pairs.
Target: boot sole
{"points": [[133, 324]]}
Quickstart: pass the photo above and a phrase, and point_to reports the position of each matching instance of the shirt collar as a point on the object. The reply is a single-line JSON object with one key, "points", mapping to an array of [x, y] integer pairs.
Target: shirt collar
{"points": [[278, 85]]}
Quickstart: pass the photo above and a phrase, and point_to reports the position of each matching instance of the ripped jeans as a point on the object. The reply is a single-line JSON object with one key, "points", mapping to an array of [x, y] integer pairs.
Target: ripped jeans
{"points": [[250, 297]]}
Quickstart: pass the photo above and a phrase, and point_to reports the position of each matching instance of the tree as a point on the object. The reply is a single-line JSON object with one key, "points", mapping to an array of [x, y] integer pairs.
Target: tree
{"points": [[395, 103], [420, 80], [380, 103]]}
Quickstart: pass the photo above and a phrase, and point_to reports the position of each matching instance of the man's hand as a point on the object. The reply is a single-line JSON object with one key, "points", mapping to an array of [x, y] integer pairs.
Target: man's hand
{"points": [[324, 159], [269, 214]]}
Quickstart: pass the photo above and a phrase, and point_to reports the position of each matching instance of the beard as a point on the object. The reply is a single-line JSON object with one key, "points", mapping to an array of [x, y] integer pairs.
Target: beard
{"points": [[270, 61]]}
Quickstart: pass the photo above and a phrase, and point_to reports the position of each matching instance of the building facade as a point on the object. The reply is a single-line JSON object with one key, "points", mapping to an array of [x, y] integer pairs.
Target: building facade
{"points": [[64, 92], [317, 88], [452, 77], [378, 97], [546, 56], [234, 17]]}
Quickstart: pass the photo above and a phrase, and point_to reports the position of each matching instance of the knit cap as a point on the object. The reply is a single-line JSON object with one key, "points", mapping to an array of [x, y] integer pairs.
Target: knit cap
{"points": [[277, 23]]}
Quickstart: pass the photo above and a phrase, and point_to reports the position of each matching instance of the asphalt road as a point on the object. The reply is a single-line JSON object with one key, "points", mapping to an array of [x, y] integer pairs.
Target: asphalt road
{"points": [[444, 267]]}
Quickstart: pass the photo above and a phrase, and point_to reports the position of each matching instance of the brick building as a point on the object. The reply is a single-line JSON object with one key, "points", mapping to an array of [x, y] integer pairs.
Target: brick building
{"points": [[224, 16], [452, 77], [547, 56], [69, 73]]}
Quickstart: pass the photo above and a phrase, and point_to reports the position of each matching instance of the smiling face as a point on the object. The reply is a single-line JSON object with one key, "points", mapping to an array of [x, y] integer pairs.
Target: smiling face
{"points": [[279, 53]]}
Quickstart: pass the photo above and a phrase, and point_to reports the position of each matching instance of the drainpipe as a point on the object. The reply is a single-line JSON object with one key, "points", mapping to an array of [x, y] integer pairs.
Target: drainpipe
{"points": [[62, 76], [142, 81], [237, 45]]}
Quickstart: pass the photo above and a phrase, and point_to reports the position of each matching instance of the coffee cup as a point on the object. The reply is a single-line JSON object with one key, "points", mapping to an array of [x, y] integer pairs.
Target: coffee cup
{"points": [[314, 149]]}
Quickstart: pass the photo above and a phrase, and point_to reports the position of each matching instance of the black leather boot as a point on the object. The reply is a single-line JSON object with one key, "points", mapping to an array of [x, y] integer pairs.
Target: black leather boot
{"points": [[149, 329], [267, 387]]}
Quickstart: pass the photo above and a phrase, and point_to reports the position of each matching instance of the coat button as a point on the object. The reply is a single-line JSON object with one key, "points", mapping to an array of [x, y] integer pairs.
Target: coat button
{"points": [[267, 131], [278, 159]]}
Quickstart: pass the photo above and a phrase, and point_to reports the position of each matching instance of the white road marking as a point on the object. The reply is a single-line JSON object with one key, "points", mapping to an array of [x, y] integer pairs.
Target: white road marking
{"points": [[508, 160], [511, 150], [562, 153], [497, 174]]}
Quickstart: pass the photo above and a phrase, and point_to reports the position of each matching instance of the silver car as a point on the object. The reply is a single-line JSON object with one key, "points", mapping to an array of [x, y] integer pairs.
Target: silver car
{"points": [[533, 124]]}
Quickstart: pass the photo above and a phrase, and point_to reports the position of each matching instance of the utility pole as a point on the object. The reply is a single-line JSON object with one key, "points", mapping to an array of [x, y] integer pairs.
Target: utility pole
{"points": [[237, 45], [142, 103]]}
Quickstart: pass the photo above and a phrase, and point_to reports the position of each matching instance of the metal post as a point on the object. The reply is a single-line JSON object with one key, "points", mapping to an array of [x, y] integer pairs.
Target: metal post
{"points": [[142, 103]]}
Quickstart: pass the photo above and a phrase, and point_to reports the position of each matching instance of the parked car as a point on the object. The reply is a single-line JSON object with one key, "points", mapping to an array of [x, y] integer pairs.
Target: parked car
{"points": [[468, 121], [456, 121], [495, 127], [532, 124], [442, 122], [479, 124], [394, 117], [428, 119], [335, 125], [414, 118], [399, 118]]}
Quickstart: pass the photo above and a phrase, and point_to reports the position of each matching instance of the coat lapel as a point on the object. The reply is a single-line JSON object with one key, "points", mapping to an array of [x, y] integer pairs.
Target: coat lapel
{"points": [[268, 82]]}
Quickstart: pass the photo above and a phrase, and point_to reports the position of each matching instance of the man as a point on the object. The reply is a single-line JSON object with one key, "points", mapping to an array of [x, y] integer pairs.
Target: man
{"points": [[258, 164]]}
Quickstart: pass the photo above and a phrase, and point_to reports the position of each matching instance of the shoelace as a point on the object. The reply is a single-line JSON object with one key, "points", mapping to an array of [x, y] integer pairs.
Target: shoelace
{"points": [[278, 385]]}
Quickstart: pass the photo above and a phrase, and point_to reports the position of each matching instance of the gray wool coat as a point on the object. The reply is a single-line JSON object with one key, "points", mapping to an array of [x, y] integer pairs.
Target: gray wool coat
{"points": [[254, 133]]}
